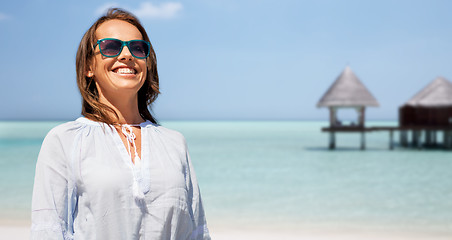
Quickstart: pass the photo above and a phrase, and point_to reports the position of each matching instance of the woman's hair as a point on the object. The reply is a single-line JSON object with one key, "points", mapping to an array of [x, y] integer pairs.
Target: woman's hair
{"points": [[92, 108]]}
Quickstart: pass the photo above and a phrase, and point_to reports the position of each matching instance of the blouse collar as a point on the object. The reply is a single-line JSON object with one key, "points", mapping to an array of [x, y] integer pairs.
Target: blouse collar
{"points": [[95, 123]]}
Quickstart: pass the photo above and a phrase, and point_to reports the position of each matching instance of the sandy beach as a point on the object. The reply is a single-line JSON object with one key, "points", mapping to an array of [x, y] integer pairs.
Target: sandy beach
{"points": [[14, 229], [14, 232], [319, 233], [19, 231]]}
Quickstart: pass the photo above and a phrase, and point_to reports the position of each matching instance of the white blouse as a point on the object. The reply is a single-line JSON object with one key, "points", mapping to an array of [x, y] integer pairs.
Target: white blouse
{"points": [[86, 186]]}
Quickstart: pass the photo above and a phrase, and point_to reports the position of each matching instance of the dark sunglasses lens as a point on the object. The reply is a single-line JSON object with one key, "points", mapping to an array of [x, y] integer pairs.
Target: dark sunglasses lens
{"points": [[110, 47], [139, 49]]}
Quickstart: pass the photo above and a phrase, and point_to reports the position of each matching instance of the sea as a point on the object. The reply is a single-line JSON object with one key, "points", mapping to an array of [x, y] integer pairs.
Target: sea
{"points": [[278, 173]]}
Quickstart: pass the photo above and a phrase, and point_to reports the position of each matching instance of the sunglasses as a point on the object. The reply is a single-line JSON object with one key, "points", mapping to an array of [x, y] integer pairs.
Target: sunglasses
{"points": [[111, 47]]}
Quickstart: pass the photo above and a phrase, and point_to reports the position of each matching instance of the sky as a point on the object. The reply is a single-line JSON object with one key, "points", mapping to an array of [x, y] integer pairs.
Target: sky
{"points": [[232, 59]]}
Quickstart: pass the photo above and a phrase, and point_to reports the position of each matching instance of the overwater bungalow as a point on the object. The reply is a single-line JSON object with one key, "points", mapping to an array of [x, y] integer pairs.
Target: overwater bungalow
{"points": [[347, 91], [427, 113], [425, 116]]}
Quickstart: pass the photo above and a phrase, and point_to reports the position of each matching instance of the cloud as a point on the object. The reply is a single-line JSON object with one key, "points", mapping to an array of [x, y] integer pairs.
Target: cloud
{"points": [[166, 10], [148, 10]]}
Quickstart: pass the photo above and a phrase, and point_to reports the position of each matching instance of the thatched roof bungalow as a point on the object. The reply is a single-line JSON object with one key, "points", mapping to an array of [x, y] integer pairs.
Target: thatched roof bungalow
{"points": [[347, 91], [432, 106]]}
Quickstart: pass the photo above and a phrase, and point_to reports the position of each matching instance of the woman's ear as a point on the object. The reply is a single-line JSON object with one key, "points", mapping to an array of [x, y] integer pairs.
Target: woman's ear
{"points": [[90, 70]]}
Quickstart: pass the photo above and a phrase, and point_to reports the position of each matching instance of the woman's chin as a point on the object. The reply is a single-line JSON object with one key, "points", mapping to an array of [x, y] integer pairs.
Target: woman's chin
{"points": [[127, 82]]}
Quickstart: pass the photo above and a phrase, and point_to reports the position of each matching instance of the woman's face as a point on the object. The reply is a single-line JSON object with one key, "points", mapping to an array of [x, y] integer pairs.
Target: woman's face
{"points": [[123, 74]]}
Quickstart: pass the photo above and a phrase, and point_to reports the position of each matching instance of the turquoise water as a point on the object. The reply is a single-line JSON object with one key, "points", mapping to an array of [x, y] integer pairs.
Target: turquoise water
{"points": [[279, 173]]}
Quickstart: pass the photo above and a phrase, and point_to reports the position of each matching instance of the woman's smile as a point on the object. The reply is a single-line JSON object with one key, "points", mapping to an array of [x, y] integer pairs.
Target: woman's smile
{"points": [[126, 72]]}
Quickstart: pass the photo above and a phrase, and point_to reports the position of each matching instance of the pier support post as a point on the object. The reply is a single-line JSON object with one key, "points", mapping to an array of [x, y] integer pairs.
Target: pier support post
{"points": [[363, 141], [404, 138], [417, 138], [332, 144], [428, 138], [447, 141], [434, 138]]}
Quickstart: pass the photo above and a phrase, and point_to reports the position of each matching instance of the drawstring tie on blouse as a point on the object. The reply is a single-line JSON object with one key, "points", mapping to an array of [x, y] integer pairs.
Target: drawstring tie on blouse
{"points": [[130, 136]]}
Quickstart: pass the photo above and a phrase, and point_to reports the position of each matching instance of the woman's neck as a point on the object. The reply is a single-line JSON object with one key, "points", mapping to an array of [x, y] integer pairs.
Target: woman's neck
{"points": [[125, 108]]}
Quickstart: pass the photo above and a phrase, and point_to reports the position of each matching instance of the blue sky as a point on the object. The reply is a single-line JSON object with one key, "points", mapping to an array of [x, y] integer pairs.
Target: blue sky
{"points": [[232, 60]]}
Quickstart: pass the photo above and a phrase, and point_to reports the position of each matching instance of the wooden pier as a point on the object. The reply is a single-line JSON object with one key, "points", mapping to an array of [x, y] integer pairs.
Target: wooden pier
{"points": [[410, 136], [421, 118]]}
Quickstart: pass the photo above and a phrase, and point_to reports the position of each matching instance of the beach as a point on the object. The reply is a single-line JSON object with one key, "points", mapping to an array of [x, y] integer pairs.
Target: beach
{"points": [[276, 180], [20, 231]]}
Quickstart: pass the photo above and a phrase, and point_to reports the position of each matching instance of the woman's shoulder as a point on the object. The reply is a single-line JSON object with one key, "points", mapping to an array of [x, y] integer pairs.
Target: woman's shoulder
{"points": [[60, 137], [168, 134], [168, 131], [67, 129]]}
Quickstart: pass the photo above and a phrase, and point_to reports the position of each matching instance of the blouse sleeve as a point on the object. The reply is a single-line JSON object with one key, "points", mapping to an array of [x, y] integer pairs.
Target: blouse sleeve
{"points": [[53, 201], [200, 232]]}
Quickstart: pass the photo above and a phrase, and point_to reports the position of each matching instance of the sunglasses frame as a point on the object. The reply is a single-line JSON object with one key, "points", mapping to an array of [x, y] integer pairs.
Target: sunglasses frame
{"points": [[123, 43]]}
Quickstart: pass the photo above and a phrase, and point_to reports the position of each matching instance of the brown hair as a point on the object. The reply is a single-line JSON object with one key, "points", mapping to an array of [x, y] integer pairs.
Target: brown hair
{"points": [[92, 108]]}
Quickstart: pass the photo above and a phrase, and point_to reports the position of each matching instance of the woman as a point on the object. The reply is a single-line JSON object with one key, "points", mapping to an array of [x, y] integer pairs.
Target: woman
{"points": [[115, 173]]}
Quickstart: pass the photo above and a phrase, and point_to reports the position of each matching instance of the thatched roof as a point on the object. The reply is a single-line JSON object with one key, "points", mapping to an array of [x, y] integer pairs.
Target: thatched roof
{"points": [[436, 94], [347, 91]]}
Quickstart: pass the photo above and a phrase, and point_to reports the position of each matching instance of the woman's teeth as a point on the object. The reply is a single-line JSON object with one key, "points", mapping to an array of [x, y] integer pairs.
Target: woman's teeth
{"points": [[125, 71]]}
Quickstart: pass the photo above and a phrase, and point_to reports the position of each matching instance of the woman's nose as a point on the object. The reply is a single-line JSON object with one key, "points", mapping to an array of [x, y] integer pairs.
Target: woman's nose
{"points": [[125, 54]]}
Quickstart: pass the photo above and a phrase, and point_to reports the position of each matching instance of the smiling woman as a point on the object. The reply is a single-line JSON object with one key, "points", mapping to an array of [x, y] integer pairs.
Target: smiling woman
{"points": [[115, 173], [95, 53]]}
